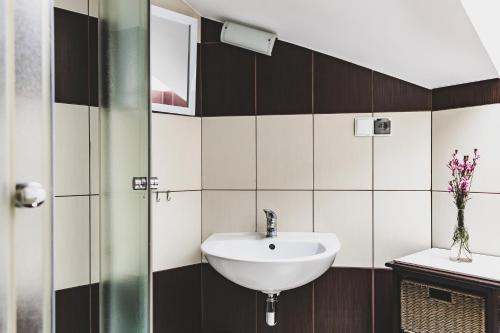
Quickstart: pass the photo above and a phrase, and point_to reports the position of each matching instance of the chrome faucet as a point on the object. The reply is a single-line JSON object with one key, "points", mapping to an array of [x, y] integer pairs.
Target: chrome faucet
{"points": [[272, 224]]}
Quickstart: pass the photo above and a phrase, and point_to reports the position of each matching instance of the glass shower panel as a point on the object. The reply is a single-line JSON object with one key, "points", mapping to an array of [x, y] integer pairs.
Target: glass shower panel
{"points": [[32, 109], [6, 184], [124, 137], [25, 166]]}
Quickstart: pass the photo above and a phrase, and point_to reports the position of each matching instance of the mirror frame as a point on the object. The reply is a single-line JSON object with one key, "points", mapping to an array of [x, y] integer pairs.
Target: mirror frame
{"points": [[192, 24]]}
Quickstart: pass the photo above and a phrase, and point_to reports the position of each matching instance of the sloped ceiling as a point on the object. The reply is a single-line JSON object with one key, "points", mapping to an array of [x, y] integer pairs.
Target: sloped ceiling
{"points": [[427, 42], [484, 15]]}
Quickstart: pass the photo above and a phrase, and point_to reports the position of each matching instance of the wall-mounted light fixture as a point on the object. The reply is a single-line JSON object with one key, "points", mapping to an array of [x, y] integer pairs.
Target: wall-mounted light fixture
{"points": [[248, 38]]}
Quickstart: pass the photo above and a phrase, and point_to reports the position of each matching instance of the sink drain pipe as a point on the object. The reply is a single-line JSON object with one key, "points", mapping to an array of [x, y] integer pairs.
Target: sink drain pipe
{"points": [[271, 309]]}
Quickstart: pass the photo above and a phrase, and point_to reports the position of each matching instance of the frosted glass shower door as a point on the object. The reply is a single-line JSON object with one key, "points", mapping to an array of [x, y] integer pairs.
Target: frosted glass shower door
{"points": [[124, 137], [25, 166]]}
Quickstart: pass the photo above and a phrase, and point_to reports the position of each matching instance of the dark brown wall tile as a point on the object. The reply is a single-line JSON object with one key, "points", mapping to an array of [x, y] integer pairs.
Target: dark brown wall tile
{"points": [[343, 301], [93, 62], [227, 307], [199, 91], [71, 37], [210, 31], [393, 95], [73, 310], [295, 311], [284, 80], [340, 86], [94, 308], [469, 94], [177, 300], [383, 300], [227, 81]]}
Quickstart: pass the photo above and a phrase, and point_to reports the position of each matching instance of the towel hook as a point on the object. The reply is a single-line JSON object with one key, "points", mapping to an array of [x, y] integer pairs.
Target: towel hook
{"points": [[168, 197]]}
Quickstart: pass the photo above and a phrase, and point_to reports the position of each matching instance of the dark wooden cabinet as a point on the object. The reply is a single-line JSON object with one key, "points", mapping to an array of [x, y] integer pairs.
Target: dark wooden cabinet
{"points": [[487, 289]]}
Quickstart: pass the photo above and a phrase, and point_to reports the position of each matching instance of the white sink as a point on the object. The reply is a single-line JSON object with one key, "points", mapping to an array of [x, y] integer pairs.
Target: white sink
{"points": [[271, 265]]}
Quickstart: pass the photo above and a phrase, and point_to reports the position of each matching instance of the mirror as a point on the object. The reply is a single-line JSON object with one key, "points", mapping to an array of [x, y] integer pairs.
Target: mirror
{"points": [[173, 38]]}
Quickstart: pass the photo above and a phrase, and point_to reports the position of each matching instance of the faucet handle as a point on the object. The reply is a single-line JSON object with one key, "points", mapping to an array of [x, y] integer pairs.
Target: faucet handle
{"points": [[270, 215]]}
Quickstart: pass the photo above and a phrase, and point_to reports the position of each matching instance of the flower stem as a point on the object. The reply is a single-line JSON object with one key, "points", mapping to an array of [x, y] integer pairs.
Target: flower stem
{"points": [[460, 219]]}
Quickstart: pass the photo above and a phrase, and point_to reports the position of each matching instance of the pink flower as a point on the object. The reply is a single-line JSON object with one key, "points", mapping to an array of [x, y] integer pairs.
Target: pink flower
{"points": [[462, 170]]}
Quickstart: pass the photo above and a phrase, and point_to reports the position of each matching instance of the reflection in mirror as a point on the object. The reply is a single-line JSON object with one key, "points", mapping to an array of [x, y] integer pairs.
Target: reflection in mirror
{"points": [[173, 61], [170, 60]]}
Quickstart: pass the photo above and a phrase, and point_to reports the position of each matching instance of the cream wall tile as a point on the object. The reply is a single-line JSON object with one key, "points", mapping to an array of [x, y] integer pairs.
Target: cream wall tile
{"points": [[227, 211], [79, 6], [402, 224], [284, 152], [403, 161], [465, 129], [94, 8], [94, 239], [94, 150], [481, 219], [176, 230], [294, 209], [341, 160], [229, 153], [349, 215], [71, 242], [71, 149], [444, 218], [176, 151]]}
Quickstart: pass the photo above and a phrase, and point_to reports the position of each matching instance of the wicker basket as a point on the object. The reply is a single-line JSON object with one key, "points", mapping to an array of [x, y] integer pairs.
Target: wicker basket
{"points": [[431, 309]]}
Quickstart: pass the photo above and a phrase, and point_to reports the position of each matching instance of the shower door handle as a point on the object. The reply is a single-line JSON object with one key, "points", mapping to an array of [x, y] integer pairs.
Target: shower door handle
{"points": [[30, 195]]}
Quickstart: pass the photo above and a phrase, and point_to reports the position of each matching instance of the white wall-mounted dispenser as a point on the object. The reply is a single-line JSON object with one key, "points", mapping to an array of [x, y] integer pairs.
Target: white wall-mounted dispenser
{"points": [[248, 38]]}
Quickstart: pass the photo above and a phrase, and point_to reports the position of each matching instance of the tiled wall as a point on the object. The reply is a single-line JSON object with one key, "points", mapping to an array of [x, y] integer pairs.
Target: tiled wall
{"points": [[272, 132], [467, 117], [76, 159], [176, 161], [77, 180], [276, 132], [176, 224]]}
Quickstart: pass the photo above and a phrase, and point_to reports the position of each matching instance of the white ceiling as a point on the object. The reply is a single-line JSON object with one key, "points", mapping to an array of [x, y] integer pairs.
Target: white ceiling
{"points": [[432, 43]]}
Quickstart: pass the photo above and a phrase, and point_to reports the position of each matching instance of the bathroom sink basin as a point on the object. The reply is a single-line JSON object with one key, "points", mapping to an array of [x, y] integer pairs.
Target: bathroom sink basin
{"points": [[271, 265]]}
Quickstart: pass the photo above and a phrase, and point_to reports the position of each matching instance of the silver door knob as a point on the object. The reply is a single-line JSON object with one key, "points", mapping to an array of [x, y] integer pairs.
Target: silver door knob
{"points": [[30, 195]]}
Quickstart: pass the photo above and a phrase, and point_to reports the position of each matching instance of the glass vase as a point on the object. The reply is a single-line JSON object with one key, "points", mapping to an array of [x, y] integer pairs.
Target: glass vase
{"points": [[460, 250]]}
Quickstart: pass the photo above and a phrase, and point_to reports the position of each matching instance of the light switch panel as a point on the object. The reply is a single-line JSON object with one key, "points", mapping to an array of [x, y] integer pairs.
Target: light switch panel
{"points": [[363, 126]]}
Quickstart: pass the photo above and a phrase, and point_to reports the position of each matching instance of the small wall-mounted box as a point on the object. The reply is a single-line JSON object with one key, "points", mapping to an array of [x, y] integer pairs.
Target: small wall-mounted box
{"points": [[369, 126], [363, 126]]}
